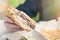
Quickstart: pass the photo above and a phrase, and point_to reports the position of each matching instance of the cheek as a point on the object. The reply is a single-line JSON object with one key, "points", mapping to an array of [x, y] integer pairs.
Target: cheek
{"points": [[3, 4]]}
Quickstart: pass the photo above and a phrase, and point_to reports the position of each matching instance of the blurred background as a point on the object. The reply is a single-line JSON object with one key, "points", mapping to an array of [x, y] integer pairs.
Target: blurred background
{"points": [[52, 7]]}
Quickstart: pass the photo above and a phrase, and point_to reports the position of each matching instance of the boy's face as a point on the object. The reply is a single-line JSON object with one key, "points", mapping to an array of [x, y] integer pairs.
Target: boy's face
{"points": [[3, 3]]}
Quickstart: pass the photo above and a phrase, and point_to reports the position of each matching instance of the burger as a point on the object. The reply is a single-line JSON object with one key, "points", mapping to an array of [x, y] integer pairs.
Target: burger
{"points": [[20, 18]]}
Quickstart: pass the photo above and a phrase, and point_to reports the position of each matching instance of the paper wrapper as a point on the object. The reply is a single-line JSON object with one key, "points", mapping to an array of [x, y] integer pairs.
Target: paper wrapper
{"points": [[49, 29], [33, 35], [12, 36]]}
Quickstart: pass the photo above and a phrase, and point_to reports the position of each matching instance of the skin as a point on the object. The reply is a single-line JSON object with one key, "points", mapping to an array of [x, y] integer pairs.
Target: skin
{"points": [[58, 13], [11, 26]]}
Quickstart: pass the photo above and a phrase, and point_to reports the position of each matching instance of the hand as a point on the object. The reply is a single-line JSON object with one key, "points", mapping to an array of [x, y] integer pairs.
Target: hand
{"points": [[11, 26]]}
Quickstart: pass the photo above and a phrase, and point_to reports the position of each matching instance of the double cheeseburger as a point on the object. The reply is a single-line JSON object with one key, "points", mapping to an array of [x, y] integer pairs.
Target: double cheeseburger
{"points": [[20, 18]]}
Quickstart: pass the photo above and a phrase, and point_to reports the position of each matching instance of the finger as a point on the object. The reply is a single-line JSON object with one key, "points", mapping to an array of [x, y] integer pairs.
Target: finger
{"points": [[56, 19], [7, 19], [12, 27]]}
